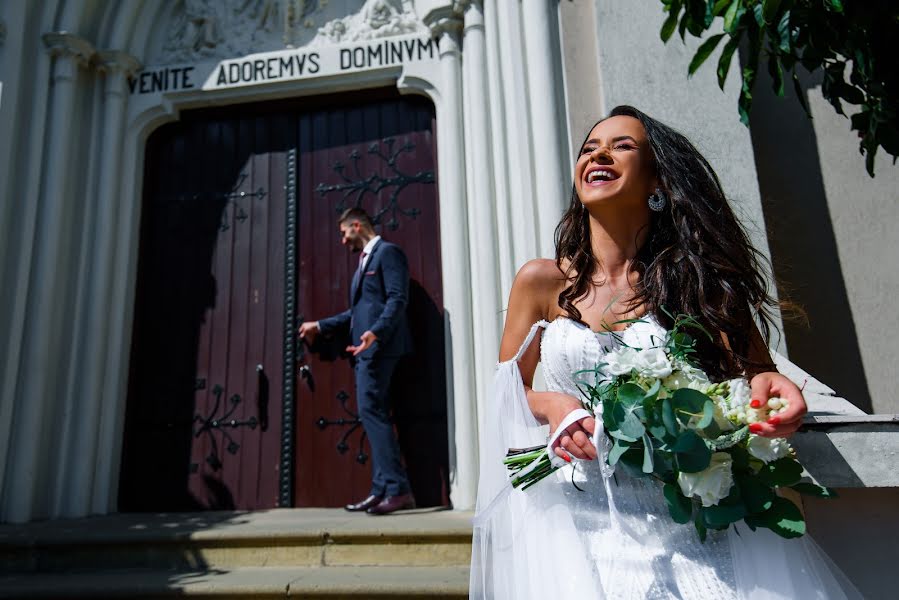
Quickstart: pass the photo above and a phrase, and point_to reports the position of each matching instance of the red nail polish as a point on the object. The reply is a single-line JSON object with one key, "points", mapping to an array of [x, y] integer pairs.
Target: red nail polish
{"points": [[774, 421], [755, 403], [566, 457], [755, 428]]}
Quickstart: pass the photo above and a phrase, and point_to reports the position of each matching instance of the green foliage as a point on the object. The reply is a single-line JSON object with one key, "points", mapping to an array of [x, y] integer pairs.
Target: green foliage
{"points": [[670, 435], [680, 507], [783, 518], [840, 40]]}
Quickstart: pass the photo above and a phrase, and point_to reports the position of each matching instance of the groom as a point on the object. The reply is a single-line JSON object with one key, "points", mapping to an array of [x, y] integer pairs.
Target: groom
{"points": [[376, 319]]}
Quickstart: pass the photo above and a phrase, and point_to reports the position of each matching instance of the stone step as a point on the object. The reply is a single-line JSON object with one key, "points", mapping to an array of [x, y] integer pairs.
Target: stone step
{"points": [[283, 538], [401, 583]]}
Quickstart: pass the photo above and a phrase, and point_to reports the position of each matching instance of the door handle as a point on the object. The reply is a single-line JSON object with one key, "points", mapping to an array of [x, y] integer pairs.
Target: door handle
{"points": [[262, 396], [304, 368], [306, 374]]}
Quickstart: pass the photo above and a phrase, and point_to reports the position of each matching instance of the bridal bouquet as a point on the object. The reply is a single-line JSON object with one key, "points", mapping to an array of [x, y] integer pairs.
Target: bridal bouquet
{"points": [[665, 419]]}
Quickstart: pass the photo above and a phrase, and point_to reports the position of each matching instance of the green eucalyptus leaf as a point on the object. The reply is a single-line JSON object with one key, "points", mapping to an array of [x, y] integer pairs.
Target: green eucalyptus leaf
{"points": [[647, 454], [758, 496], [668, 417], [703, 52], [708, 415], [782, 472], [701, 530], [783, 518], [691, 454], [679, 507], [618, 449], [621, 436], [723, 514], [631, 426], [663, 465], [653, 391], [813, 489], [630, 395], [688, 403]]}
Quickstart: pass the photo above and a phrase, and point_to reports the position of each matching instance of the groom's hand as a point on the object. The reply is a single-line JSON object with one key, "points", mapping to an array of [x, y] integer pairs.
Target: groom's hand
{"points": [[365, 341], [309, 330]]}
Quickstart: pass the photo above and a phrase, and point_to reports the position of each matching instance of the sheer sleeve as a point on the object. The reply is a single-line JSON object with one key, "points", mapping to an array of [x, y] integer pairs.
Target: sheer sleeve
{"points": [[514, 528]]}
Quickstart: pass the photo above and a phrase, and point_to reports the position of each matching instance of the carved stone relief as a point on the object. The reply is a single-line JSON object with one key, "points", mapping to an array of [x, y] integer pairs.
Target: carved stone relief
{"points": [[199, 30], [377, 19]]}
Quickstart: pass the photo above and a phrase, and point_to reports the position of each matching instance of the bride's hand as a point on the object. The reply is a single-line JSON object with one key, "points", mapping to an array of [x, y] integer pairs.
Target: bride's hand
{"points": [[770, 385], [575, 440]]}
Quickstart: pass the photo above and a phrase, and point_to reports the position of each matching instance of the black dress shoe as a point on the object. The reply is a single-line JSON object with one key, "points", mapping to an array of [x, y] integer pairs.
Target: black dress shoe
{"points": [[392, 504], [365, 504]]}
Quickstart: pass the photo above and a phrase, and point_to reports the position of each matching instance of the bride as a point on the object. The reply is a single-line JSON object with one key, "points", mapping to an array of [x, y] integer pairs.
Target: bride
{"points": [[648, 228]]}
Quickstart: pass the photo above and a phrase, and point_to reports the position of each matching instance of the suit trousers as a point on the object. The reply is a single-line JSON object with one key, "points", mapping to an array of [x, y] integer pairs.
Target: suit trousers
{"points": [[373, 402]]}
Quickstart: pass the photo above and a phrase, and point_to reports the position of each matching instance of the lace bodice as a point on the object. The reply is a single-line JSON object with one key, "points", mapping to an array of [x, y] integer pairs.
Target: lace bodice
{"points": [[568, 347]]}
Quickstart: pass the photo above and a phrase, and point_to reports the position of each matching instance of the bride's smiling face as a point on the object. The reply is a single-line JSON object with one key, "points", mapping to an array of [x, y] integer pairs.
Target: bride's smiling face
{"points": [[614, 167]]}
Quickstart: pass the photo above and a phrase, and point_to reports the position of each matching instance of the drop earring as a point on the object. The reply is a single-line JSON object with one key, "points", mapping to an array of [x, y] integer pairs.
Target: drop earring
{"points": [[657, 201]]}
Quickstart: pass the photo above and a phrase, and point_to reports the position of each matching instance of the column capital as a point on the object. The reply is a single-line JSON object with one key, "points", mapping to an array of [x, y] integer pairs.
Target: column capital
{"points": [[63, 43], [441, 16], [117, 61]]}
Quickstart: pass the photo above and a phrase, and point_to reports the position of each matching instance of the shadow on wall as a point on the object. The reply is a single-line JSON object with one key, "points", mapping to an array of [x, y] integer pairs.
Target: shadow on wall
{"points": [[802, 241]]}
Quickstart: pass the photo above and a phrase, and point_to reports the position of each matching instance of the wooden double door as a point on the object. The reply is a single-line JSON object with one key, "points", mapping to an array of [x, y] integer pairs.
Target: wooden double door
{"points": [[239, 243]]}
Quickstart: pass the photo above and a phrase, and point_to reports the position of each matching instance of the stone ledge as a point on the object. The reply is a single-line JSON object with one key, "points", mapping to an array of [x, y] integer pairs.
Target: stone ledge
{"points": [[839, 444], [851, 454]]}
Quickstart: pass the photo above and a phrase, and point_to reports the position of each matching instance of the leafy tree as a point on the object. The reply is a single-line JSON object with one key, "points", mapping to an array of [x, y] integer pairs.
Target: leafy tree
{"points": [[857, 39]]}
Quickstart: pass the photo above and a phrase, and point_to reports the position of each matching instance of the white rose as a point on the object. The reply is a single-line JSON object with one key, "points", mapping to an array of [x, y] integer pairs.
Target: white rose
{"points": [[653, 363], [620, 361], [685, 376], [645, 334], [768, 449], [711, 485]]}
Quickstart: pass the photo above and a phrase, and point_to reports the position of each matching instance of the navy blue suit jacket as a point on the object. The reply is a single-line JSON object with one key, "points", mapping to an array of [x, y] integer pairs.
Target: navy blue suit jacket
{"points": [[379, 294]]}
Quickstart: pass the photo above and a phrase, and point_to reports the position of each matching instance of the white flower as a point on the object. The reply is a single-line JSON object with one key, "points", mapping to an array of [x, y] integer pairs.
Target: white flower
{"points": [[621, 361], [685, 376], [740, 394], [721, 419], [768, 449], [712, 484], [653, 363], [645, 334]]}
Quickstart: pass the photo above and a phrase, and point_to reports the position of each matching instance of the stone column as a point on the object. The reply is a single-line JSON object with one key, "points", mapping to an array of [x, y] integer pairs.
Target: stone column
{"points": [[455, 251], [89, 476], [486, 304], [512, 133], [546, 116], [25, 494]]}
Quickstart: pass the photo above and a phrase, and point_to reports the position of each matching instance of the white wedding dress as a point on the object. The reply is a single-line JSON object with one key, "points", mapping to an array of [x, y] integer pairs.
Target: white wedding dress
{"points": [[615, 539]]}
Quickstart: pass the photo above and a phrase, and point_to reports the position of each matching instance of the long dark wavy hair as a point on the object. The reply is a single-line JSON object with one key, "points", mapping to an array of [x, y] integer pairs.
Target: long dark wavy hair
{"points": [[697, 258]]}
